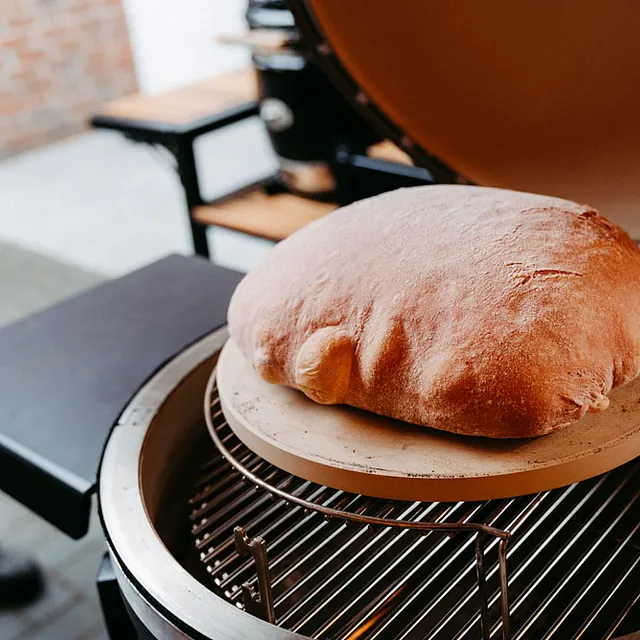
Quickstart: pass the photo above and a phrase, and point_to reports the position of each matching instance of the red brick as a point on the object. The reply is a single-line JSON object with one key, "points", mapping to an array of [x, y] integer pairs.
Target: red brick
{"points": [[32, 54], [125, 60], [12, 8], [14, 42], [54, 33], [22, 21], [70, 43], [18, 140], [42, 85], [81, 5], [21, 73], [68, 63], [10, 104], [90, 27]]}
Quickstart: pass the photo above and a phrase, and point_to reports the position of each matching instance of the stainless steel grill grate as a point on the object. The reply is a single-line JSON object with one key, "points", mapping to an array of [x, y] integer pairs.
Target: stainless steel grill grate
{"points": [[573, 556]]}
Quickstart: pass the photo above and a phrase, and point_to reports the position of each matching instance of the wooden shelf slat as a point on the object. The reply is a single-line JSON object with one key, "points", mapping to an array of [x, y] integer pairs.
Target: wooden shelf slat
{"points": [[272, 217], [386, 150], [188, 103]]}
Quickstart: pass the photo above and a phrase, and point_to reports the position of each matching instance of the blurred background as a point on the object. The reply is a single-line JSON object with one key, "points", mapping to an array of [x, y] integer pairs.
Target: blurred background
{"points": [[91, 198]]}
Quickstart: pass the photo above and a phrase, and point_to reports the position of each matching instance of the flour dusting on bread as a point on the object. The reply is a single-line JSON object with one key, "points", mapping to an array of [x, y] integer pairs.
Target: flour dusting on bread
{"points": [[473, 310]]}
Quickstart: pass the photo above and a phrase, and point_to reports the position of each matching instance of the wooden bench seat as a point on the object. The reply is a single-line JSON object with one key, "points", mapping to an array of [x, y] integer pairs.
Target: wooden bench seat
{"points": [[189, 103]]}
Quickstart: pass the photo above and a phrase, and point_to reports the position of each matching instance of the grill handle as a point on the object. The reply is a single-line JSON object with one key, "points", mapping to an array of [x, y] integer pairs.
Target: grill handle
{"points": [[260, 605]]}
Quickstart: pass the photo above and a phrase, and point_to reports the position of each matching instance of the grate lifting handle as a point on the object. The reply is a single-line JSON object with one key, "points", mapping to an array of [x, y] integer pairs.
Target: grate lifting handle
{"points": [[259, 605]]}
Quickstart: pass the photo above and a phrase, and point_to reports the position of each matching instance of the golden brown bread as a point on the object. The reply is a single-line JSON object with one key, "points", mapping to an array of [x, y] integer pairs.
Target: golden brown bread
{"points": [[473, 310]]}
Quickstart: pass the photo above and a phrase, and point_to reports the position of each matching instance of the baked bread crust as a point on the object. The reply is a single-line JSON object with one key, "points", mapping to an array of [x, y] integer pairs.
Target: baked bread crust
{"points": [[468, 309]]}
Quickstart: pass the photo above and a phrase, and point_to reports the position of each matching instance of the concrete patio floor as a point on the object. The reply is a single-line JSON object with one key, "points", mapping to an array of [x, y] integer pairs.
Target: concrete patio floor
{"points": [[110, 206]]}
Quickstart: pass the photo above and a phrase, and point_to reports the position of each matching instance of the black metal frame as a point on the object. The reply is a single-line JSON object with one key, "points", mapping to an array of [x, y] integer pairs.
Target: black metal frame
{"points": [[179, 140]]}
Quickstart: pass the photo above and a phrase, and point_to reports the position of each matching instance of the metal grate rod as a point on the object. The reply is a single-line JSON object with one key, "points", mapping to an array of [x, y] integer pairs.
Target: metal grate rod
{"points": [[482, 583], [213, 481], [326, 542], [270, 515], [227, 485], [290, 532], [622, 616], [352, 560], [584, 558], [448, 560], [329, 592], [238, 495], [612, 592], [505, 618], [369, 607], [239, 500], [452, 583], [212, 400], [369, 614], [241, 516], [585, 527], [520, 543], [213, 470], [200, 513], [284, 542], [356, 534], [261, 604], [371, 582], [287, 552], [532, 507], [571, 565]]}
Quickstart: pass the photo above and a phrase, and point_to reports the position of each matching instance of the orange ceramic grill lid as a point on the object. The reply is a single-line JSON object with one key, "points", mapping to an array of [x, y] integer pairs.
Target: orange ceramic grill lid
{"points": [[540, 96]]}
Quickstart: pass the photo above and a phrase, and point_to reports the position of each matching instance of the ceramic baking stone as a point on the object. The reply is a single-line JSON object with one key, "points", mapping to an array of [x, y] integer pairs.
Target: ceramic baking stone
{"points": [[361, 452]]}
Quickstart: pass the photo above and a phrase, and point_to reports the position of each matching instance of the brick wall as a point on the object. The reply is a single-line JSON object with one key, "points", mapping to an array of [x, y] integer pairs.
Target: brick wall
{"points": [[59, 60]]}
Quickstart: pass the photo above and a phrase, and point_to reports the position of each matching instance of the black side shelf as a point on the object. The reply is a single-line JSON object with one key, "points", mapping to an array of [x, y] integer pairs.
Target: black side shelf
{"points": [[67, 373]]}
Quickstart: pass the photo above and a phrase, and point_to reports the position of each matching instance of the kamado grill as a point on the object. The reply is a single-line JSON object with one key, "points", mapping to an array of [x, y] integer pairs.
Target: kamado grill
{"points": [[208, 539], [228, 545]]}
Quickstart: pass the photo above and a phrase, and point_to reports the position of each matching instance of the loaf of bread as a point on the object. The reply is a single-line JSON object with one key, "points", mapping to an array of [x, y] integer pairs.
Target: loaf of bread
{"points": [[474, 310]]}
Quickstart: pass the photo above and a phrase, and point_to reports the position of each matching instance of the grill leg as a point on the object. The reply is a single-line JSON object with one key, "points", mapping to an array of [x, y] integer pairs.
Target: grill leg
{"points": [[116, 619]]}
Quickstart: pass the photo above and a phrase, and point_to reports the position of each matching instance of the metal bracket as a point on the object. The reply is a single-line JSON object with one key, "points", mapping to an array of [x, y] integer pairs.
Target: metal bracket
{"points": [[260, 605]]}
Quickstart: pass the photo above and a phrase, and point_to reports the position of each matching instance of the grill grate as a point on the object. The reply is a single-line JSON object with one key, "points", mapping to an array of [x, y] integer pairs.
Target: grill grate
{"points": [[573, 556]]}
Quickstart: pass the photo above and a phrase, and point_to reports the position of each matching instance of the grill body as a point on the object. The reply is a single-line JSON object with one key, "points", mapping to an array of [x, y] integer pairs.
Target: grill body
{"points": [[172, 510]]}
